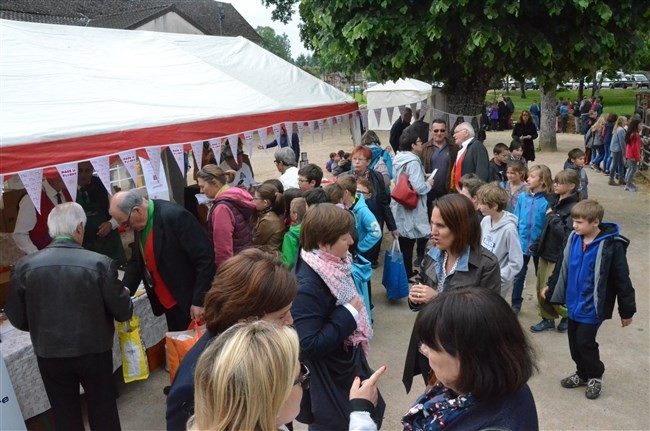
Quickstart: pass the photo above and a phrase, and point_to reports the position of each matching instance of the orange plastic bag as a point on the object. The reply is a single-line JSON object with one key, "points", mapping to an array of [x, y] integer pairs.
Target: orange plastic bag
{"points": [[178, 344]]}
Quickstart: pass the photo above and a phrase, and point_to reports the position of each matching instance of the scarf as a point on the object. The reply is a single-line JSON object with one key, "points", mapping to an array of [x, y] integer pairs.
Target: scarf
{"points": [[435, 409], [337, 275]]}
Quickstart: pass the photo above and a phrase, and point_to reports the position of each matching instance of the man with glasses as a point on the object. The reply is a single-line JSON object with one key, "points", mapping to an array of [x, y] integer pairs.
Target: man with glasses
{"points": [[171, 254], [309, 177], [472, 157]]}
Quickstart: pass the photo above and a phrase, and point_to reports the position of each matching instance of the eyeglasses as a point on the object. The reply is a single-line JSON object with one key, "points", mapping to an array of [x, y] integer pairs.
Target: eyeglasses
{"points": [[357, 159], [277, 162], [438, 131], [127, 223], [303, 378]]}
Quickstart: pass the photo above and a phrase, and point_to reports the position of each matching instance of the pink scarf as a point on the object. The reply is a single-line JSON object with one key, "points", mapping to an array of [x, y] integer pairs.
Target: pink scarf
{"points": [[337, 275]]}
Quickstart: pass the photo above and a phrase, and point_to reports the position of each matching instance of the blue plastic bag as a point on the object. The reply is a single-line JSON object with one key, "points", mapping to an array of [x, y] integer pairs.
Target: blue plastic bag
{"points": [[395, 280]]}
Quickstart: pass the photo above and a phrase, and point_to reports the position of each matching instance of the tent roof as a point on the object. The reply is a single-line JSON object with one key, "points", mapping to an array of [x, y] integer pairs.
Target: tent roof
{"points": [[408, 84], [73, 93]]}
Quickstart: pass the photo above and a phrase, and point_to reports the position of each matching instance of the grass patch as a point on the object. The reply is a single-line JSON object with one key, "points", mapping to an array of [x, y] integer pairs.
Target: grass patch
{"points": [[619, 101], [361, 98]]}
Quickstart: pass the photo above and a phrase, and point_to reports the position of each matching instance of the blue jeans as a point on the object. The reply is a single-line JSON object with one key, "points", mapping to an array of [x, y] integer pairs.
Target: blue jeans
{"points": [[631, 172], [607, 160], [598, 155], [520, 281], [617, 165]]}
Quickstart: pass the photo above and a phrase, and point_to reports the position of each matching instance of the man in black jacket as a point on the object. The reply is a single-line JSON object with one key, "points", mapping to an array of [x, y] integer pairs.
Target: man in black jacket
{"points": [[398, 127], [171, 253], [472, 157], [67, 298]]}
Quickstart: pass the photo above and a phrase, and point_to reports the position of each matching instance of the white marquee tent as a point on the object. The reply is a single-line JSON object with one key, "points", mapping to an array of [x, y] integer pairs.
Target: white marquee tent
{"points": [[75, 93], [394, 94]]}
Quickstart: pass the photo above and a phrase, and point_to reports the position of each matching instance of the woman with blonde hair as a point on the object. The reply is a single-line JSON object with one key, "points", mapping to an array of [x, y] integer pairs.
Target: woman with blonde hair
{"points": [[617, 151], [595, 141], [249, 378], [230, 214]]}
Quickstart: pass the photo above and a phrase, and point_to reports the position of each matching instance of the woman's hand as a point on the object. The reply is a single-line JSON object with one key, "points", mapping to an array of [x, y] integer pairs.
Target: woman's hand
{"points": [[421, 294], [367, 390], [395, 234], [357, 303], [430, 181]]}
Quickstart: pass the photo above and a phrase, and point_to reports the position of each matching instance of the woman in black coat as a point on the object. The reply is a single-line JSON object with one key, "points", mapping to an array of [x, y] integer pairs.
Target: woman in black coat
{"points": [[526, 132]]}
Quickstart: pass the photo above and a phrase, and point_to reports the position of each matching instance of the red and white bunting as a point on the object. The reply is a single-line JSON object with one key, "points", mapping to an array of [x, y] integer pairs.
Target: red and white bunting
{"points": [[390, 110], [179, 156], [33, 182], [263, 137], [215, 145], [402, 110], [130, 163], [377, 115], [156, 185], [154, 157], [103, 168], [233, 140], [321, 125], [68, 173], [330, 124], [248, 137], [364, 118], [311, 126], [289, 127], [301, 129], [277, 132], [197, 150]]}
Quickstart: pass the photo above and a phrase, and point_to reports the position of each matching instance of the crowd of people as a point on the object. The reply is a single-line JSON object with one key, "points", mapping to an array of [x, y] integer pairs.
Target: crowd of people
{"points": [[281, 275]]}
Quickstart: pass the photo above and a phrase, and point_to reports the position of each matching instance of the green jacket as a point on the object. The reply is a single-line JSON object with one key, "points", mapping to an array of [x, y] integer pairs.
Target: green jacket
{"points": [[290, 246]]}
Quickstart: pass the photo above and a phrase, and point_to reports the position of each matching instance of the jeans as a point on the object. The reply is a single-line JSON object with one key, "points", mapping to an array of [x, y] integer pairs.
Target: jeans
{"points": [[598, 155], [607, 157], [617, 165], [520, 281], [630, 173], [584, 350]]}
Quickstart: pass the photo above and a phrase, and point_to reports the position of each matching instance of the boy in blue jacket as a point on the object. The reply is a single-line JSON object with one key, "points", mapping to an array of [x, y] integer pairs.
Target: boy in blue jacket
{"points": [[593, 275]]}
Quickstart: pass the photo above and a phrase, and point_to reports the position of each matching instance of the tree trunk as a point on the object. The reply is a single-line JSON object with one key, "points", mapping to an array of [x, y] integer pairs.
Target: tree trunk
{"points": [[581, 89], [466, 97], [522, 88], [547, 134]]}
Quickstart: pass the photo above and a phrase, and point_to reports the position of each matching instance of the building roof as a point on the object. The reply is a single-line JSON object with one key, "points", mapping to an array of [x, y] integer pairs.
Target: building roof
{"points": [[129, 14]]}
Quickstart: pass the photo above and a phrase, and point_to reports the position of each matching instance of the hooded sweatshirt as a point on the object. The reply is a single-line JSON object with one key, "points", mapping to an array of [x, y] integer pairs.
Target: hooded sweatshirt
{"points": [[502, 239], [411, 223], [230, 217], [366, 224]]}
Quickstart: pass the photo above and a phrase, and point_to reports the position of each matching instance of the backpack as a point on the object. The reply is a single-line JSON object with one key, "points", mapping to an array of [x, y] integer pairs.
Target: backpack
{"points": [[387, 160]]}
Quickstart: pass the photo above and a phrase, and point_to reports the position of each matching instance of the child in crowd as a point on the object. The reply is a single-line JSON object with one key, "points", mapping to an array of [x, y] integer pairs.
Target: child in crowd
{"points": [[548, 246], [530, 211], [499, 233], [499, 163], [516, 173], [343, 165], [576, 162], [291, 242], [469, 185], [588, 292], [517, 152], [632, 153], [289, 196], [334, 158], [366, 222]]}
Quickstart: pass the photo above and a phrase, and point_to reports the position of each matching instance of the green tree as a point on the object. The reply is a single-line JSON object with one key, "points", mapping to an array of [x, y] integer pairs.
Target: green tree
{"points": [[276, 43], [466, 43]]}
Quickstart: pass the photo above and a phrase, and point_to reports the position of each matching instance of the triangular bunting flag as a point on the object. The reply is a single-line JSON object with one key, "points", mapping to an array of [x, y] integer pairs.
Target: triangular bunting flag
{"points": [[321, 125], [339, 122], [377, 115], [346, 120], [263, 137], [364, 118], [103, 169], [311, 126], [289, 127], [215, 145], [233, 140], [2, 185], [179, 156], [68, 173], [131, 164], [330, 124], [277, 132], [154, 158], [390, 111], [301, 129], [423, 110], [33, 182], [197, 151], [452, 120], [413, 108], [402, 110], [156, 185], [248, 137]]}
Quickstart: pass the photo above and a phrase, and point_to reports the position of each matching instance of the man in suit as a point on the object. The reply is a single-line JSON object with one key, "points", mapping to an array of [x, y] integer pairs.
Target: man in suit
{"points": [[171, 253], [67, 298], [472, 156]]}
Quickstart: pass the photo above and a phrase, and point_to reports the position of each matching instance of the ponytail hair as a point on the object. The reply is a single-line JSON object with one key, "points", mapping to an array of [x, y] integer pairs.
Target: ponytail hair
{"points": [[270, 193], [213, 174]]}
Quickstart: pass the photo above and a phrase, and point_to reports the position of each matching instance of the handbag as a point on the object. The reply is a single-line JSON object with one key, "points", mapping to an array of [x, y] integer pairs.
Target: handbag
{"points": [[394, 278], [178, 344], [134, 358], [403, 192]]}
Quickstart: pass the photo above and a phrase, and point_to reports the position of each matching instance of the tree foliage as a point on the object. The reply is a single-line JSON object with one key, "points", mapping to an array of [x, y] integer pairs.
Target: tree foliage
{"points": [[276, 43]]}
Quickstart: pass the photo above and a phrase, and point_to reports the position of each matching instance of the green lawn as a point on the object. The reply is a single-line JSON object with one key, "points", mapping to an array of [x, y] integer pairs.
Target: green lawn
{"points": [[614, 100]]}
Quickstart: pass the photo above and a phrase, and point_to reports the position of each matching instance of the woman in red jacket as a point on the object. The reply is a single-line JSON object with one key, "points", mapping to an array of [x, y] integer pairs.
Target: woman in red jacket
{"points": [[632, 152]]}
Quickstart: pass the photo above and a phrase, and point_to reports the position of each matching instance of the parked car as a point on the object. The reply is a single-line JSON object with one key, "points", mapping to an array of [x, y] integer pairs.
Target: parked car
{"points": [[354, 89], [640, 81], [622, 80]]}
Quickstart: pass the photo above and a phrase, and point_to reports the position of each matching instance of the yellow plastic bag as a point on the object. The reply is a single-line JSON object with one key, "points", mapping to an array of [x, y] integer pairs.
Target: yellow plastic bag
{"points": [[134, 358]]}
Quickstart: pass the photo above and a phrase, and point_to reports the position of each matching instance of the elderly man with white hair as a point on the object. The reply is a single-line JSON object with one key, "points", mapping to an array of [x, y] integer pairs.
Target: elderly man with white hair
{"points": [[472, 157], [67, 298], [285, 162]]}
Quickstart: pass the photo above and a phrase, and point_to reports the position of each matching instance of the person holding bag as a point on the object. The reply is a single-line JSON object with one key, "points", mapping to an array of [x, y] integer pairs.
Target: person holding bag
{"points": [[412, 222]]}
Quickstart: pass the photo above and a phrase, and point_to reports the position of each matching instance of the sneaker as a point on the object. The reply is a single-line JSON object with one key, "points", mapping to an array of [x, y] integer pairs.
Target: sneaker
{"points": [[594, 388], [621, 181], [573, 381], [563, 325], [516, 309], [611, 182], [544, 325]]}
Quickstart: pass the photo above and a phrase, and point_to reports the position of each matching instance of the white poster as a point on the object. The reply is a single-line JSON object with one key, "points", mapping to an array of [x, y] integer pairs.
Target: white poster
{"points": [[154, 158], [33, 182], [68, 173], [130, 163], [103, 169], [179, 156], [157, 187], [197, 150], [215, 144]]}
